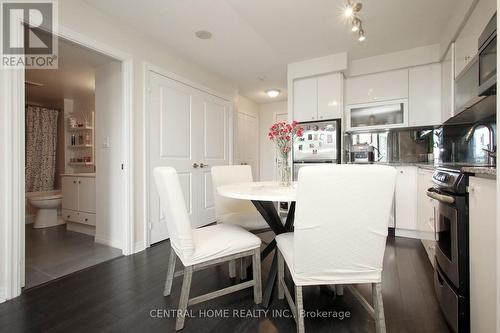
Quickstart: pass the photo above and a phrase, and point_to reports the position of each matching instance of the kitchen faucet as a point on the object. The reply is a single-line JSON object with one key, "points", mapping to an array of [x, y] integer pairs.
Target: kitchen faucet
{"points": [[491, 150]]}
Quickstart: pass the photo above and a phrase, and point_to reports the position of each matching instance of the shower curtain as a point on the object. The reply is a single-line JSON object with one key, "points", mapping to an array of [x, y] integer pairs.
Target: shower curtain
{"points": [[41, 147]]}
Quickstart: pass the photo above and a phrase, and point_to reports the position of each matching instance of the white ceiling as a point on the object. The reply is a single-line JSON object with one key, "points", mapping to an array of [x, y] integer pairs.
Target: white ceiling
{"points": [[258, 38], [73, 79]]}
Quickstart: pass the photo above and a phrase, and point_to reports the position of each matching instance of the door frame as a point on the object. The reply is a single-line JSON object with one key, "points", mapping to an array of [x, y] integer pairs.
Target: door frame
{"points": [[13, 172], [149, 67]]}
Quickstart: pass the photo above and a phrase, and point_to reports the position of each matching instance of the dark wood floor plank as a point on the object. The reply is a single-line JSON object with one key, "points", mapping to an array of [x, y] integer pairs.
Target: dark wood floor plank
{"points": [[118, 296]]}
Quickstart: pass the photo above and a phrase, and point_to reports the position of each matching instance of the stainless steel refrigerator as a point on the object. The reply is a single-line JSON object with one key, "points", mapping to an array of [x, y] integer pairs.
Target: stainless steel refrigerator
{"points": [[319, 144]]}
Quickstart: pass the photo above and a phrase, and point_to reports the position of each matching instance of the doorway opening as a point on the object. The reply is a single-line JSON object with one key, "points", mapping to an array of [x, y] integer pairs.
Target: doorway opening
{"points": [[74, 130]]}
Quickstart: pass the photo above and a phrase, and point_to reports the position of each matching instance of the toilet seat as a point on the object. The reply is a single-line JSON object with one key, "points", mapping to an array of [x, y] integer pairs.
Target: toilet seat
{"points": [[49, 195]]}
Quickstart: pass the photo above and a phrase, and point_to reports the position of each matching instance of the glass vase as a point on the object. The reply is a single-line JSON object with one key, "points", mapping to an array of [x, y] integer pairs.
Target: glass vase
{"points": [[284, 172]]}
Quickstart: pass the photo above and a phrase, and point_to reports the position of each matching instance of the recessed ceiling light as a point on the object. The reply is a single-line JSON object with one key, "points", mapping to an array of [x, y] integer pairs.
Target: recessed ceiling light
{"points": [[273, 93], [203, 34]]}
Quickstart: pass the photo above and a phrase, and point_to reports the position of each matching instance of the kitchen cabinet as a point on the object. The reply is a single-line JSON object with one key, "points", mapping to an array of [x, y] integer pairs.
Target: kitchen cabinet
{"points": [[330, 96], [79, 199], [447, 84], [466, 42], [377, 115], [406, 200], [305, 99], [483, 254], [425, 205], [318, 98], [424, 95], [377, 87]]}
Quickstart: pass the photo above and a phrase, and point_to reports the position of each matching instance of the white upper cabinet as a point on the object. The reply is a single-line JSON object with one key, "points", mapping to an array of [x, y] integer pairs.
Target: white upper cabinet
{"points": [[466, 42], [305, 99], [330, 96], [425, 95], [447, 85], [377, 87], [318, 98]]}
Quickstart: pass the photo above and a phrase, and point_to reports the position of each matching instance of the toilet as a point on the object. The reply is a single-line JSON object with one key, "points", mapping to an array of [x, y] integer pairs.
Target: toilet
{"points": [[47, 204]]}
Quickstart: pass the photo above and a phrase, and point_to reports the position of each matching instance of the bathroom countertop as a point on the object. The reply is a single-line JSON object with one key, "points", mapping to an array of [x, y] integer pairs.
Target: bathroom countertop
{"points": [[83, 174]]}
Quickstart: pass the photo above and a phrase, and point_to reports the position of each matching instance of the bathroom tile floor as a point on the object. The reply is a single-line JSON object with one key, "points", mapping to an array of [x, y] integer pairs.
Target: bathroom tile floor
{"points": [[55, 252]]}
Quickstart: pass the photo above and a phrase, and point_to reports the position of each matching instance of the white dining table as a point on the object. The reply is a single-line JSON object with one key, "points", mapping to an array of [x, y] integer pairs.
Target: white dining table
{"points": [[264, 195]]}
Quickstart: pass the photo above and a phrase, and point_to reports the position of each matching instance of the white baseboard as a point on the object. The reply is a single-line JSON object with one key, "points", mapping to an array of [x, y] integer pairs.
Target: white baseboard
{"points": [[416, 234], [107, 241], [139, 246], [2, 295]]}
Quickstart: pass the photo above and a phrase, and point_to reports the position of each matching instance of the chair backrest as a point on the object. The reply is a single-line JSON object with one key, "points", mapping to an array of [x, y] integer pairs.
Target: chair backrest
{"points": [[341, 221], [173, 206], [230, 174]]}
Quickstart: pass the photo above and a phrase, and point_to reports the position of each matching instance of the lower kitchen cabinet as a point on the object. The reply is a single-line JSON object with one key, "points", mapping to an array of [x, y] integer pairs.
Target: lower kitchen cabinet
{"points": [[406, 201], [483, 259]]}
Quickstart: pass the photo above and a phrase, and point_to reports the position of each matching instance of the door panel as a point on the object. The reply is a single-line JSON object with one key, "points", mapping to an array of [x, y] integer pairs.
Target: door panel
{"points": [[187, 127], [86, 194], [215, 129], [170, 144], [70, 193], [175, 118], [247, 138]]}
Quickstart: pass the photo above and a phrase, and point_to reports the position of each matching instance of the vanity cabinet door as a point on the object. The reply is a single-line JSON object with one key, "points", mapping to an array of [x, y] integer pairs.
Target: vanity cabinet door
{"points": [[86, 194], [70, 193]]}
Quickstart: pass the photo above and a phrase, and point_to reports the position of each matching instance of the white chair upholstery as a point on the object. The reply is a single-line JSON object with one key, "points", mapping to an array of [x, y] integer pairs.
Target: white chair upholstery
{"points": [[234, 211], [198, 248], [341, 224]]}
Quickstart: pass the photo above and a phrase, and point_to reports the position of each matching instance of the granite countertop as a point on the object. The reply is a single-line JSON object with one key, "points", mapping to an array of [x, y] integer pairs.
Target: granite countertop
{"points": [[478, 170]]}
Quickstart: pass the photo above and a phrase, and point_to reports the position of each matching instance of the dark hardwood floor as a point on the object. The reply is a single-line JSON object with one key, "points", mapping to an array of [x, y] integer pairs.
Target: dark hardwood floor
{"points": [[120, 295]]}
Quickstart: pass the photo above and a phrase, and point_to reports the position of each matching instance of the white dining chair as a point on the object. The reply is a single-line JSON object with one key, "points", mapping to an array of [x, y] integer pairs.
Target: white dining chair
{"points": [[199, 248], [234, 211], [341, 224]]}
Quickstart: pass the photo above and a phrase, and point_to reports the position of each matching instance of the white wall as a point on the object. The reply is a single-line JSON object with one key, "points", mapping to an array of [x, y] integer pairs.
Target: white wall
{"points": [[78, 16], [109, 155], [267, 118]]}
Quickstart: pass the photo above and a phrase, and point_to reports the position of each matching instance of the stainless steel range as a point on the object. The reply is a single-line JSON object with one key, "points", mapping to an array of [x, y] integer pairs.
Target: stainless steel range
{"points": [[451, 272]]}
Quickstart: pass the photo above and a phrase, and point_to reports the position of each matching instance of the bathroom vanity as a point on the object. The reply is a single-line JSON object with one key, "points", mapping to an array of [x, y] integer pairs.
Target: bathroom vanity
{"points": [[79, 202]]}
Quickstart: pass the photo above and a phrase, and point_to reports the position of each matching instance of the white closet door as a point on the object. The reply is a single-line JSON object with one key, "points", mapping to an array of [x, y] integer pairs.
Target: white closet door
{"points": [[187, 127], [213, 150], [172, 111], [247, 142]]}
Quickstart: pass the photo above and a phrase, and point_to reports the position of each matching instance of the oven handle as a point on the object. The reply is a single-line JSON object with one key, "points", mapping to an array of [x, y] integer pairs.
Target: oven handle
{"points": [[431, 193]]}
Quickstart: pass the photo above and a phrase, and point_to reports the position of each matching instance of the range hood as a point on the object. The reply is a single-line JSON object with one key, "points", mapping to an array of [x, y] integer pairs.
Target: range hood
{"points": [[484, 108]]}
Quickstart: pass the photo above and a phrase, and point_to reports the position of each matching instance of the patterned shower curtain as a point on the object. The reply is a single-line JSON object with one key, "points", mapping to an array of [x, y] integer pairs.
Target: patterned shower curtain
{"points": [[41, 146]]}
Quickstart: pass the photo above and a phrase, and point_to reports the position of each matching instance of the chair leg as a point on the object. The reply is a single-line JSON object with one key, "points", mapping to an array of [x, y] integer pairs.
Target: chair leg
{"points": [[339, 290], [232, 268], [281, 275], [300, 309], [378, 306], [170, 273], [183, 302], [257, 288], [243, 268]]}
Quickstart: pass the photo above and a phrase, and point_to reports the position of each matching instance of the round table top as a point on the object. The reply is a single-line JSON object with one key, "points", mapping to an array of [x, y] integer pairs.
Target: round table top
{"points": [[259, 191]]}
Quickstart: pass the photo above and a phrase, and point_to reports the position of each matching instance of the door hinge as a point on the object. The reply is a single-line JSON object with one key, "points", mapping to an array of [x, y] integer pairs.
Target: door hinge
{"points": [[150, 226]]}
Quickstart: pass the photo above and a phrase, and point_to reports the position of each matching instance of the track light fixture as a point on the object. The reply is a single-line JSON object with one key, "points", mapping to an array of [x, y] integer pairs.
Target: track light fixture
{"points": [[351, 11]]}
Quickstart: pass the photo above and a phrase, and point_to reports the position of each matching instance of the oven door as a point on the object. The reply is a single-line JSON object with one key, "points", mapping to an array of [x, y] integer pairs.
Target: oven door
{"points": [[446, 229]]}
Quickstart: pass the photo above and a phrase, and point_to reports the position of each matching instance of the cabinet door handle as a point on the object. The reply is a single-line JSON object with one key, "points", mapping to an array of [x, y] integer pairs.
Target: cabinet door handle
{"points": [[79, 182], [195, 165], [205, 165], [68, 216], [86, 220], [74, 181]]}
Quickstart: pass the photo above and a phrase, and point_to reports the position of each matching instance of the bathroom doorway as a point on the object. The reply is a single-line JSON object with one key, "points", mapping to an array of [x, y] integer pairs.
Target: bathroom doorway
{"points": [[73, 149]]}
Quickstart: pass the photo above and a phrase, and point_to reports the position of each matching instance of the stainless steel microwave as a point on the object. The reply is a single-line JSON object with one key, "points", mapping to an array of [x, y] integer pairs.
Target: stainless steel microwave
{"points": [[487, 50]]}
